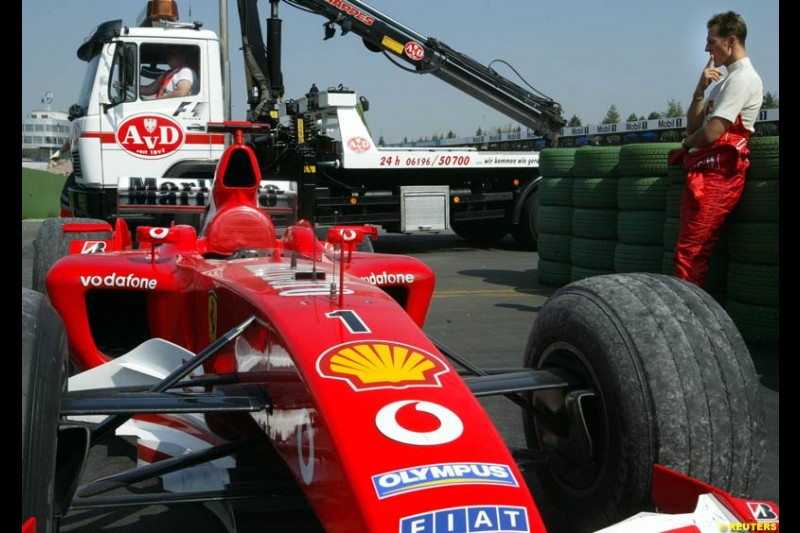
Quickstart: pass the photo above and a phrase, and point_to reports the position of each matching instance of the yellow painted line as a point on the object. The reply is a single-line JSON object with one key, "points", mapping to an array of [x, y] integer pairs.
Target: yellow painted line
{"points": [[496, 292]]}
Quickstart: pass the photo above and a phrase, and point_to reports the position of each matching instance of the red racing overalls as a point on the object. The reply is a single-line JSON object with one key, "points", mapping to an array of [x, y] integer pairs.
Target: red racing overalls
{"points": [[714, 183]]}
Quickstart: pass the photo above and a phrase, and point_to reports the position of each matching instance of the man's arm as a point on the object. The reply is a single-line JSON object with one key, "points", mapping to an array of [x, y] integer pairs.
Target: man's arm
{"points": [[183, 81], [152, 88], [695, 114], [183, 88], [709, 133]]}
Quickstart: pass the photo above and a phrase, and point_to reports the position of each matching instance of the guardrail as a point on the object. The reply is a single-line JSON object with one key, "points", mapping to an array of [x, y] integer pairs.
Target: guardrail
{"points": [[636, 127]]}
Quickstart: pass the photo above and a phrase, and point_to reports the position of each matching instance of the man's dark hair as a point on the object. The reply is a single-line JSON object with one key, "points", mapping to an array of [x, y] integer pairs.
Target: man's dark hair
{"points": [[728, 24]]}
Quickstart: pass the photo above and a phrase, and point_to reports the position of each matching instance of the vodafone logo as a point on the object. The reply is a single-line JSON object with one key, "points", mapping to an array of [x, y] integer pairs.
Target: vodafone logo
{"points": [[150, 136], [410, 428], [348, 235], [358, 144]]}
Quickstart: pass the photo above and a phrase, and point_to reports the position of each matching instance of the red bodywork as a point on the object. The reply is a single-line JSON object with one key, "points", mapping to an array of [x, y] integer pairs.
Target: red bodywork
{"points": [[376, 426], [365, 406]]}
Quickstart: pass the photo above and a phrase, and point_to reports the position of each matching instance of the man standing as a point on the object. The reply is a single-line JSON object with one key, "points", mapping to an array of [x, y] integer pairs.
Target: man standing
{"points": [[715, 153]]}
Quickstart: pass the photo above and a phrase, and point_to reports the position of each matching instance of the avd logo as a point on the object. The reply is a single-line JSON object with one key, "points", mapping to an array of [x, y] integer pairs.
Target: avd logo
{"points": [[150, 136]]}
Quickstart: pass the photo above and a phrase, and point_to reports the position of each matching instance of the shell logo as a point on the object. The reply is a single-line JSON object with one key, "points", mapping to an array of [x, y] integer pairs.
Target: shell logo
{"points": [[150, 136], [381, 365]]}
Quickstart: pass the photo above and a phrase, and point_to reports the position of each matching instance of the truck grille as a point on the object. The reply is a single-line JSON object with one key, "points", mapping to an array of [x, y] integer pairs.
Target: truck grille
{"points": [[76, 165]]}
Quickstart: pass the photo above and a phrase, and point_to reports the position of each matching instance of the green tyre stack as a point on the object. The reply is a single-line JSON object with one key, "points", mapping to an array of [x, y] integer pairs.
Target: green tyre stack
{"points": [[642, 197], [554, 215], [752, 289], [595, 211]]}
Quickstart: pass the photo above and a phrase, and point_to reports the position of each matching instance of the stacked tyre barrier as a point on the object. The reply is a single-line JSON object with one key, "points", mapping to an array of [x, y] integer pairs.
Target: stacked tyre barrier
{"points": [[642, 197], [752, 282], [554, 215], [594, 216], [624, 213]]}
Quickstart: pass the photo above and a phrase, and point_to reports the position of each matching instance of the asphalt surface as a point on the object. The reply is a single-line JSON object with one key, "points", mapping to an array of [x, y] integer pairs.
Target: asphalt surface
{"points": [[483, 308]]}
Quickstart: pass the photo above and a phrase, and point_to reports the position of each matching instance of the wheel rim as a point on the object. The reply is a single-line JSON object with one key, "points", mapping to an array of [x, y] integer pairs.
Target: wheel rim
{"points": [[583, 467]]}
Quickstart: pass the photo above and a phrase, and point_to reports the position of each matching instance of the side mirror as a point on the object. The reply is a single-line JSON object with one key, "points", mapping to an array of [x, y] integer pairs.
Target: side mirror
{"points": [[75, 111]]}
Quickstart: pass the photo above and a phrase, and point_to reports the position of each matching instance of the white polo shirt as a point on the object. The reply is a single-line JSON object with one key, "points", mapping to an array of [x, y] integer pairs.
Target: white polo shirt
{"points": [[741, 91]]}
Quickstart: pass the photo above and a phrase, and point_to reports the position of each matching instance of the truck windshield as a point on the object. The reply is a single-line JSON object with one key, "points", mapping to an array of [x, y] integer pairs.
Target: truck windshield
{"points": [[88, 82]]}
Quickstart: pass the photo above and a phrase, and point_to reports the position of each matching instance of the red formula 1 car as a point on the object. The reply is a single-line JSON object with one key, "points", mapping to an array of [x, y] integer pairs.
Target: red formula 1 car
{"points": [[295, 372]]}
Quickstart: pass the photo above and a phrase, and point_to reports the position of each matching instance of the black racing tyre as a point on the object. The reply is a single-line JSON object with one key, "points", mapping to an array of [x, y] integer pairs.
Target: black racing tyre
{"points": [[481, 232], [664, 377], [51, 244], [526, 232], [44, 372]]}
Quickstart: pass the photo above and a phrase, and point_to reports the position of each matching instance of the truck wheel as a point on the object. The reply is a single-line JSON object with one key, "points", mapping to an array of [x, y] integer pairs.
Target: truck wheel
{"points": [[44, 361], [481, 232], [526, 233], [663, 376], [51, 244]]}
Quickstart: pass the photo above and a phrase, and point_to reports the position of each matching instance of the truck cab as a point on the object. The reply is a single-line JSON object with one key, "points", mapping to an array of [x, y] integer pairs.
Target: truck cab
{"points": [[125, 124]]}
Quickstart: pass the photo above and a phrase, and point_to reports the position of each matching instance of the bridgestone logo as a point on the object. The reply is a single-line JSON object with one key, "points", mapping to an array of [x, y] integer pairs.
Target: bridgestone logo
{"points": [[120, 282]]}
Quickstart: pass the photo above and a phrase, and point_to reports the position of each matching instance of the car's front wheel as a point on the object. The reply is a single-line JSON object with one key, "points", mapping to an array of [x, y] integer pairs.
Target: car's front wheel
{"points": [[660, 374], [44, 378]]}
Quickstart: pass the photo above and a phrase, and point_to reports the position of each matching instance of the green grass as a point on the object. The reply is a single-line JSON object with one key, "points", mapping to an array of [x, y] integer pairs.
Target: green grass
{"points": [[41, 193]]}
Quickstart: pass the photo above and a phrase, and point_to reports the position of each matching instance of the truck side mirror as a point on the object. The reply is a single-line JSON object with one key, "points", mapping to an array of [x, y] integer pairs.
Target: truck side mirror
{"points": [[121, 85], [75, 111]]}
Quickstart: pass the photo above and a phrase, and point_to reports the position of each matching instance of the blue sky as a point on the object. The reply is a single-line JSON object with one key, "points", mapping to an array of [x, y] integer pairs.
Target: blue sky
{"points": [[635, 54]]}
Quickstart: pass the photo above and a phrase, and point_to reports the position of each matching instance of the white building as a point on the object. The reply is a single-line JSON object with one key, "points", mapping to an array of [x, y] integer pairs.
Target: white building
{"points": [[46, 131]]}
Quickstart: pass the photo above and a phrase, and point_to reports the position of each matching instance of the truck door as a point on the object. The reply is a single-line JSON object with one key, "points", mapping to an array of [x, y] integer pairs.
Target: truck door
{"points": [[157, 110]]}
